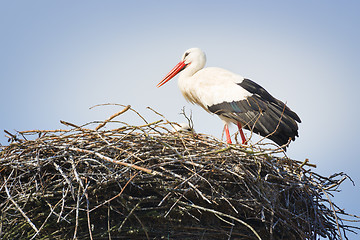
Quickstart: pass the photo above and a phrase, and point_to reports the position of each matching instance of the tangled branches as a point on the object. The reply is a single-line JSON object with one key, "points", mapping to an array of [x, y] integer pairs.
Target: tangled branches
{"points": [[151, 182]]}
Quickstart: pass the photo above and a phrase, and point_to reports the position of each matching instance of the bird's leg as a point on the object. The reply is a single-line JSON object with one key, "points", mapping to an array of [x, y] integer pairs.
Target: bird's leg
{"points": [[241, 133], [227, 133]]}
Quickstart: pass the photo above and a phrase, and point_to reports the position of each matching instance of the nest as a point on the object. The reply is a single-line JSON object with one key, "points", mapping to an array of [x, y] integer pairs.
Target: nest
{"points": [[149, 182]]}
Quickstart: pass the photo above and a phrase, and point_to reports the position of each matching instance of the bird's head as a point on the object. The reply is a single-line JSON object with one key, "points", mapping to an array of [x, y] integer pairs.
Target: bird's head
{"points": [[193, 60], [194, 55]]}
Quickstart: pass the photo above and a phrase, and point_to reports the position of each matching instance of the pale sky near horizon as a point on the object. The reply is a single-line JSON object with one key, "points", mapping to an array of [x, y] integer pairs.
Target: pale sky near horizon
{"points": [[58, 58]]}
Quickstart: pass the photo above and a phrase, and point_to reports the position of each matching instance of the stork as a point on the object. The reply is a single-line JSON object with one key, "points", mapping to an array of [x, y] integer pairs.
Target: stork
{"points": [[234, 99]]}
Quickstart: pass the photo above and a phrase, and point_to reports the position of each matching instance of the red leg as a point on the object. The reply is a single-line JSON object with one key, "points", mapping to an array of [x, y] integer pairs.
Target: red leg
{"points": [[241, 133], [227, 133]]}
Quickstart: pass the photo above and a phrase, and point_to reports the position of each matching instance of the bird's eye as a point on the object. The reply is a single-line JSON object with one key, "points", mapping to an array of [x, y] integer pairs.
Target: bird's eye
{"points": [[186, 54]]}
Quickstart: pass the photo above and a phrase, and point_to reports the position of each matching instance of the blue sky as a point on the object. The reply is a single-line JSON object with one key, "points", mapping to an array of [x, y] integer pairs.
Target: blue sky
{"points": [[58, 58]]}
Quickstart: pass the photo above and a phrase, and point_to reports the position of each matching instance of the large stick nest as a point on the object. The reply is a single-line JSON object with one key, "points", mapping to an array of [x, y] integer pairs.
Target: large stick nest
{"points": [[149, 182]]}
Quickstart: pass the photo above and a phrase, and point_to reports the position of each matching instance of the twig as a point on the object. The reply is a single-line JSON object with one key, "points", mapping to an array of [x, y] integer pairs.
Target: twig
{"points": [[115, 161], [77, 214], [334, 212], [88, 214], [132, 210], [69, 124], [116, 196], [115, 104], [20, 210], [225, 215], [188, 182], [112, 117]]}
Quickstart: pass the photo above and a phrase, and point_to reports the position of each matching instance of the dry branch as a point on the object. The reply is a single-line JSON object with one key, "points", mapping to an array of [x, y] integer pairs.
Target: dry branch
{"points": [[148, 182]]}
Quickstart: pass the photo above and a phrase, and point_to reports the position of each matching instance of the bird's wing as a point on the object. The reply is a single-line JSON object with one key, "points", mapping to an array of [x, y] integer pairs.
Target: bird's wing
{"points": [[259, 111], [259, 91]]}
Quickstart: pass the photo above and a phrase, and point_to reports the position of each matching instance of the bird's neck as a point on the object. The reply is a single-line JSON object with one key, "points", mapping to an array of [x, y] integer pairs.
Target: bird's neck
{"points": [[187, 82], [185, 77], [190, 70]]}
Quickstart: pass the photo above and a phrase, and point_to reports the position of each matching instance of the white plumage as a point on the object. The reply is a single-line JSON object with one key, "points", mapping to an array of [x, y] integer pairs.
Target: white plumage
{"points": [[234, 99]]}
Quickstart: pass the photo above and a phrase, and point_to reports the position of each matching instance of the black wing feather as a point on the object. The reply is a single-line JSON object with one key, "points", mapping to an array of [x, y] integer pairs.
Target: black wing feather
{"points": [[261, 113], [256, 89]]}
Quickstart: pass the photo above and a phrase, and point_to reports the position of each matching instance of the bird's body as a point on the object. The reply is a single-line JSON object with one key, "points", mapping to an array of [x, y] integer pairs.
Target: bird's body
{"points": [[210, 86], [234, 99]]}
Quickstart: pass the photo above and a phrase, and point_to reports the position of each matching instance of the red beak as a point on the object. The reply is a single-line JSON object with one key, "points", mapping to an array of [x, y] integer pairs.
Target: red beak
{"points": [[180, 66]]}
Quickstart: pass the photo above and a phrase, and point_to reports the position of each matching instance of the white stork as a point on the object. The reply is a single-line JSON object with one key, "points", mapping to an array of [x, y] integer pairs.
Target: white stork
{"points": [[234, 99]]}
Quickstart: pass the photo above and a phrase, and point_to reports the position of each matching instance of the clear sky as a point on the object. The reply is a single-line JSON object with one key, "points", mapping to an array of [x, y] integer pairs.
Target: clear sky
{"points": [[58, 58]]}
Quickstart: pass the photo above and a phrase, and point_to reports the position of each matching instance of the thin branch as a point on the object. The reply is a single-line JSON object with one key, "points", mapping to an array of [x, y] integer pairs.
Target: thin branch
{"points": [[20, 210], [224, 215], [112, 117]]}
